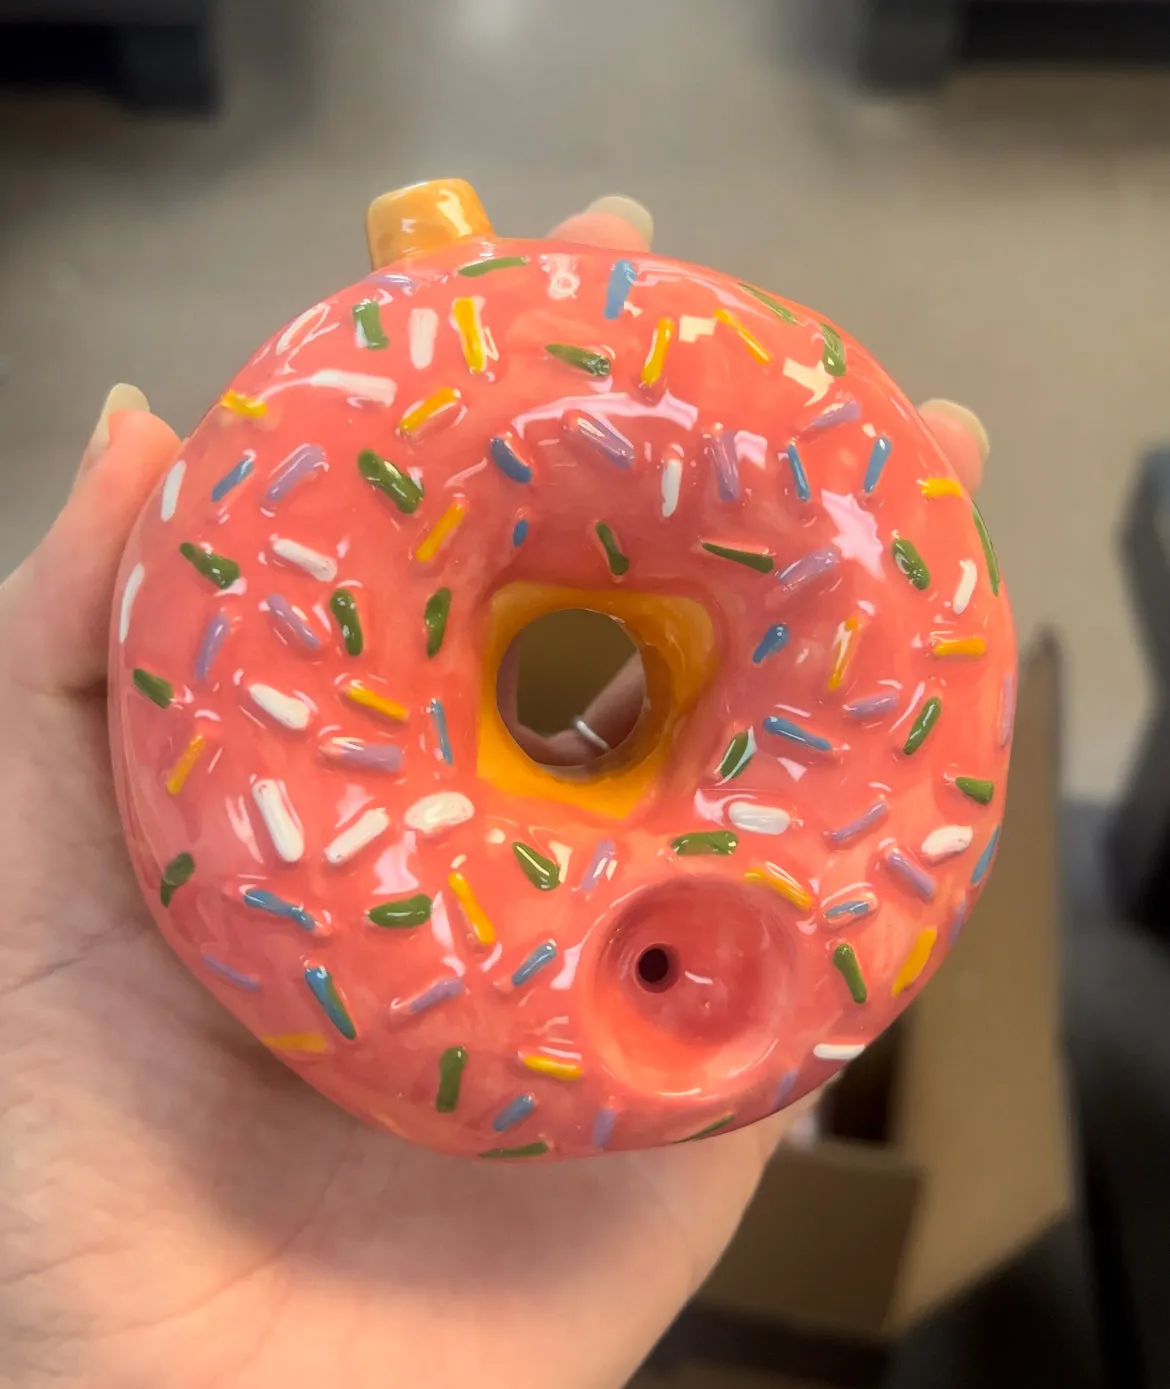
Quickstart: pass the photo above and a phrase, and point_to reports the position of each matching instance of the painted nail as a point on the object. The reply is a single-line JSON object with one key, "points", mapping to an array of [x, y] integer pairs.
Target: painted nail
{"points": [[629, 210], [121, 397]]}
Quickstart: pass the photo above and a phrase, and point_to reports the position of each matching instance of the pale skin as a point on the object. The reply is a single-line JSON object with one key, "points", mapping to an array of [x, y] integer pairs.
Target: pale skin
{"points": [[176, 1209]]}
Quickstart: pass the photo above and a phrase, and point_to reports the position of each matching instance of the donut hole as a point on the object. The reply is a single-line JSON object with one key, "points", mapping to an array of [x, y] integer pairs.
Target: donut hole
{"points": [[579, 690], [657, 968]]}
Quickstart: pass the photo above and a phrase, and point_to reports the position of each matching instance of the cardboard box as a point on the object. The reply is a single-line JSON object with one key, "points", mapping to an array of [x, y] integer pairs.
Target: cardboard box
{"points": [[947, 1150]]}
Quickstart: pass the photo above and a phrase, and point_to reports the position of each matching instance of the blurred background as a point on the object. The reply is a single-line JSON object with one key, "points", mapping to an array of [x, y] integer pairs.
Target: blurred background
{"points": [[979, 192]]}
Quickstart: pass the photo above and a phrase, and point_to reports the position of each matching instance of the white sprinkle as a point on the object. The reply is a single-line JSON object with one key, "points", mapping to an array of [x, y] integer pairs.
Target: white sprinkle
{"points": [[284, 829], [691, 329], [313, 562], [966, 586], [364, 830], [946, 841], [129, 593], [495, 836], [319, 313], [838, 1051], [422, 328], [758, 819], [816, 379], [377, 388], [671, 483], [442, 811], [563, 281], [289, 710], [171, 489]]}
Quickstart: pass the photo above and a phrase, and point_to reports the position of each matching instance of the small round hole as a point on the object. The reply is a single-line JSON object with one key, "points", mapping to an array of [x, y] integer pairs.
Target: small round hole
{"points": [[656, 968]]}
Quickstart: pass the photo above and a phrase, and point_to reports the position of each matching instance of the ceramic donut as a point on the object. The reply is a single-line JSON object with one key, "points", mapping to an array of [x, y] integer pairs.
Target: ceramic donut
{"points": [[336, 831]]}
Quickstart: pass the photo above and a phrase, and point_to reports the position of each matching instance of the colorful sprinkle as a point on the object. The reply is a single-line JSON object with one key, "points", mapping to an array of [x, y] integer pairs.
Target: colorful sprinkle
{"points": [[1006, 719], [845, 962], [442, 530], [233, 976], [976, 789], [752, 559], [799, 476], [422, 329], [843, 648], [291, 621], [915, 962], [916, 878], [603, 855], [171, 489], [284, 829], [621, 280], [838, 1051], [840, 412], [246, 406], [782, 882], [988, 548], [958, 919], [721, 842], [873, 816], [435, 616], [465, 316], [296, 1041], [376, 757], [529, 1150], [311, 562], [367, 326], [794, 733], [958, 646], [535, 960], [852, 909], [809, 567], [451, 1065], [721, 453], [879, 456], [233, 478], [509, 462], [946, 841], [928, 716], [222, 572], [833, 353], [740, 752], [774, 639], [872, 705], [177, 777], [672, 475], [209, 647], [129, 593], [514, 1113], [541, 872], [979, 872], [910, 563], [520, 532], [298, 465], [402, 912], [710, 1130], [443, 810], [352, 840], [400, 487], [474, 269], [655, 362], [598, 436], [445, 404], [290, 711], [154, 687], [758, 819], [477, 918], [174, 875], [553, 1068], [779, 309], [748, 338], [592, 363], [940, 487], [618, 562], [261, 900], [365, 698], [439, 719], [968, 575], [325, 991], [439, 992], [603, 1123], [343, 605]]}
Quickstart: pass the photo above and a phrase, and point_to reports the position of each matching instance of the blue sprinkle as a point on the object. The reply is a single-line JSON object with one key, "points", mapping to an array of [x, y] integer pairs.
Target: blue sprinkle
{"points": [[245, 981], [980, 870], [437, 993], [213, 638], [621, 278], [519, 532], [774, 639], [877, 461], [513, 1114], [439, 715], [603, 1126], [842, 413], [265, 901], [233, 479], [872, 816], [509, 462], [799, 476], [872, 705], [541, 956], [605, 851], [297, 465], [323, 989], [783, 1090], [861, 907], [785, 728]]}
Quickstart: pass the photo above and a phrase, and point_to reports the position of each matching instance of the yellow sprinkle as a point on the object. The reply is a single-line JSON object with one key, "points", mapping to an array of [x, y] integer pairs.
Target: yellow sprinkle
{"points": [[182, 768], [478, 919], [959, 646], [246, 405], [940, 487], [751, 342], [843, 650], [659, 346], [296, 1041], [783, 883], [428, 547], [465, 312], [915, 962], [426, 410], [558, 1070], [378, 704]]}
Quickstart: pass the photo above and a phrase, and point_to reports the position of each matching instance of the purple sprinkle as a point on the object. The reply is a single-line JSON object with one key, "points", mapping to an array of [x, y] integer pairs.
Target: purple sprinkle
{"points": [[213, 638], [378, 757], [605, 851], [603, 1126], [842, 413], [286, 618], [437, 993], [958, 920], [724, 459], [872, 705], [393, 281], [1007, 710], [783, 1090], [807, 568], [297, 465], [914, 877], [600, 437], [514, 1113], [245, 981], [873, 816]]}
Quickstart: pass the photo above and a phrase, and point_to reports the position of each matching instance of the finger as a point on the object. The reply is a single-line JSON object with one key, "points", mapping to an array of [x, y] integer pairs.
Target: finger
{"points": [[55, 609], [614, 222], [963, 439], [121, 397], [614, 712]]}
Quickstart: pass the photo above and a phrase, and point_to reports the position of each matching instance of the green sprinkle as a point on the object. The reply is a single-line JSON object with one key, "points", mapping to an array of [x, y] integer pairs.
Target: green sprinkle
{"points": [[706, 842], [833, 355], [402, 912], [485, 267], [435, 615], [619, 563], [154, 687], [980, 791], [769, 302], [541, 872], [401, 488], [451, 1065], [367, 318], [740, 752], [911, 563], [926, 720], [222, 572], [537, 1149], [845, 959], [711, 1129], [345, 611], [753, 559], [988, 548], [175, 874], [580, 357]]}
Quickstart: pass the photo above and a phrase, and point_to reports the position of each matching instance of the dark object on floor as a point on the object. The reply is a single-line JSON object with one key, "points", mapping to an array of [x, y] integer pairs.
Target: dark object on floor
{"points": [[151, 54]]}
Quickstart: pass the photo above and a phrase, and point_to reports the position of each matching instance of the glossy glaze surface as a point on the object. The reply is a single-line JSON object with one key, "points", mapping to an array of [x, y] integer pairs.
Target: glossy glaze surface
{"points": [[339, 837]]}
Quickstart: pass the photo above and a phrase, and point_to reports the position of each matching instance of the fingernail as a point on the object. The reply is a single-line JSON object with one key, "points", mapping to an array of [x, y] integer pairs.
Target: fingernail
{"points": [[121, 397], [629, 210], [966, 419]]}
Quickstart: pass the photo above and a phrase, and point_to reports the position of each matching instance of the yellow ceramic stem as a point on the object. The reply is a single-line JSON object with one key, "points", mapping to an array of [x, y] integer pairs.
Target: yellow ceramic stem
{"points": [[424, 217]]}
